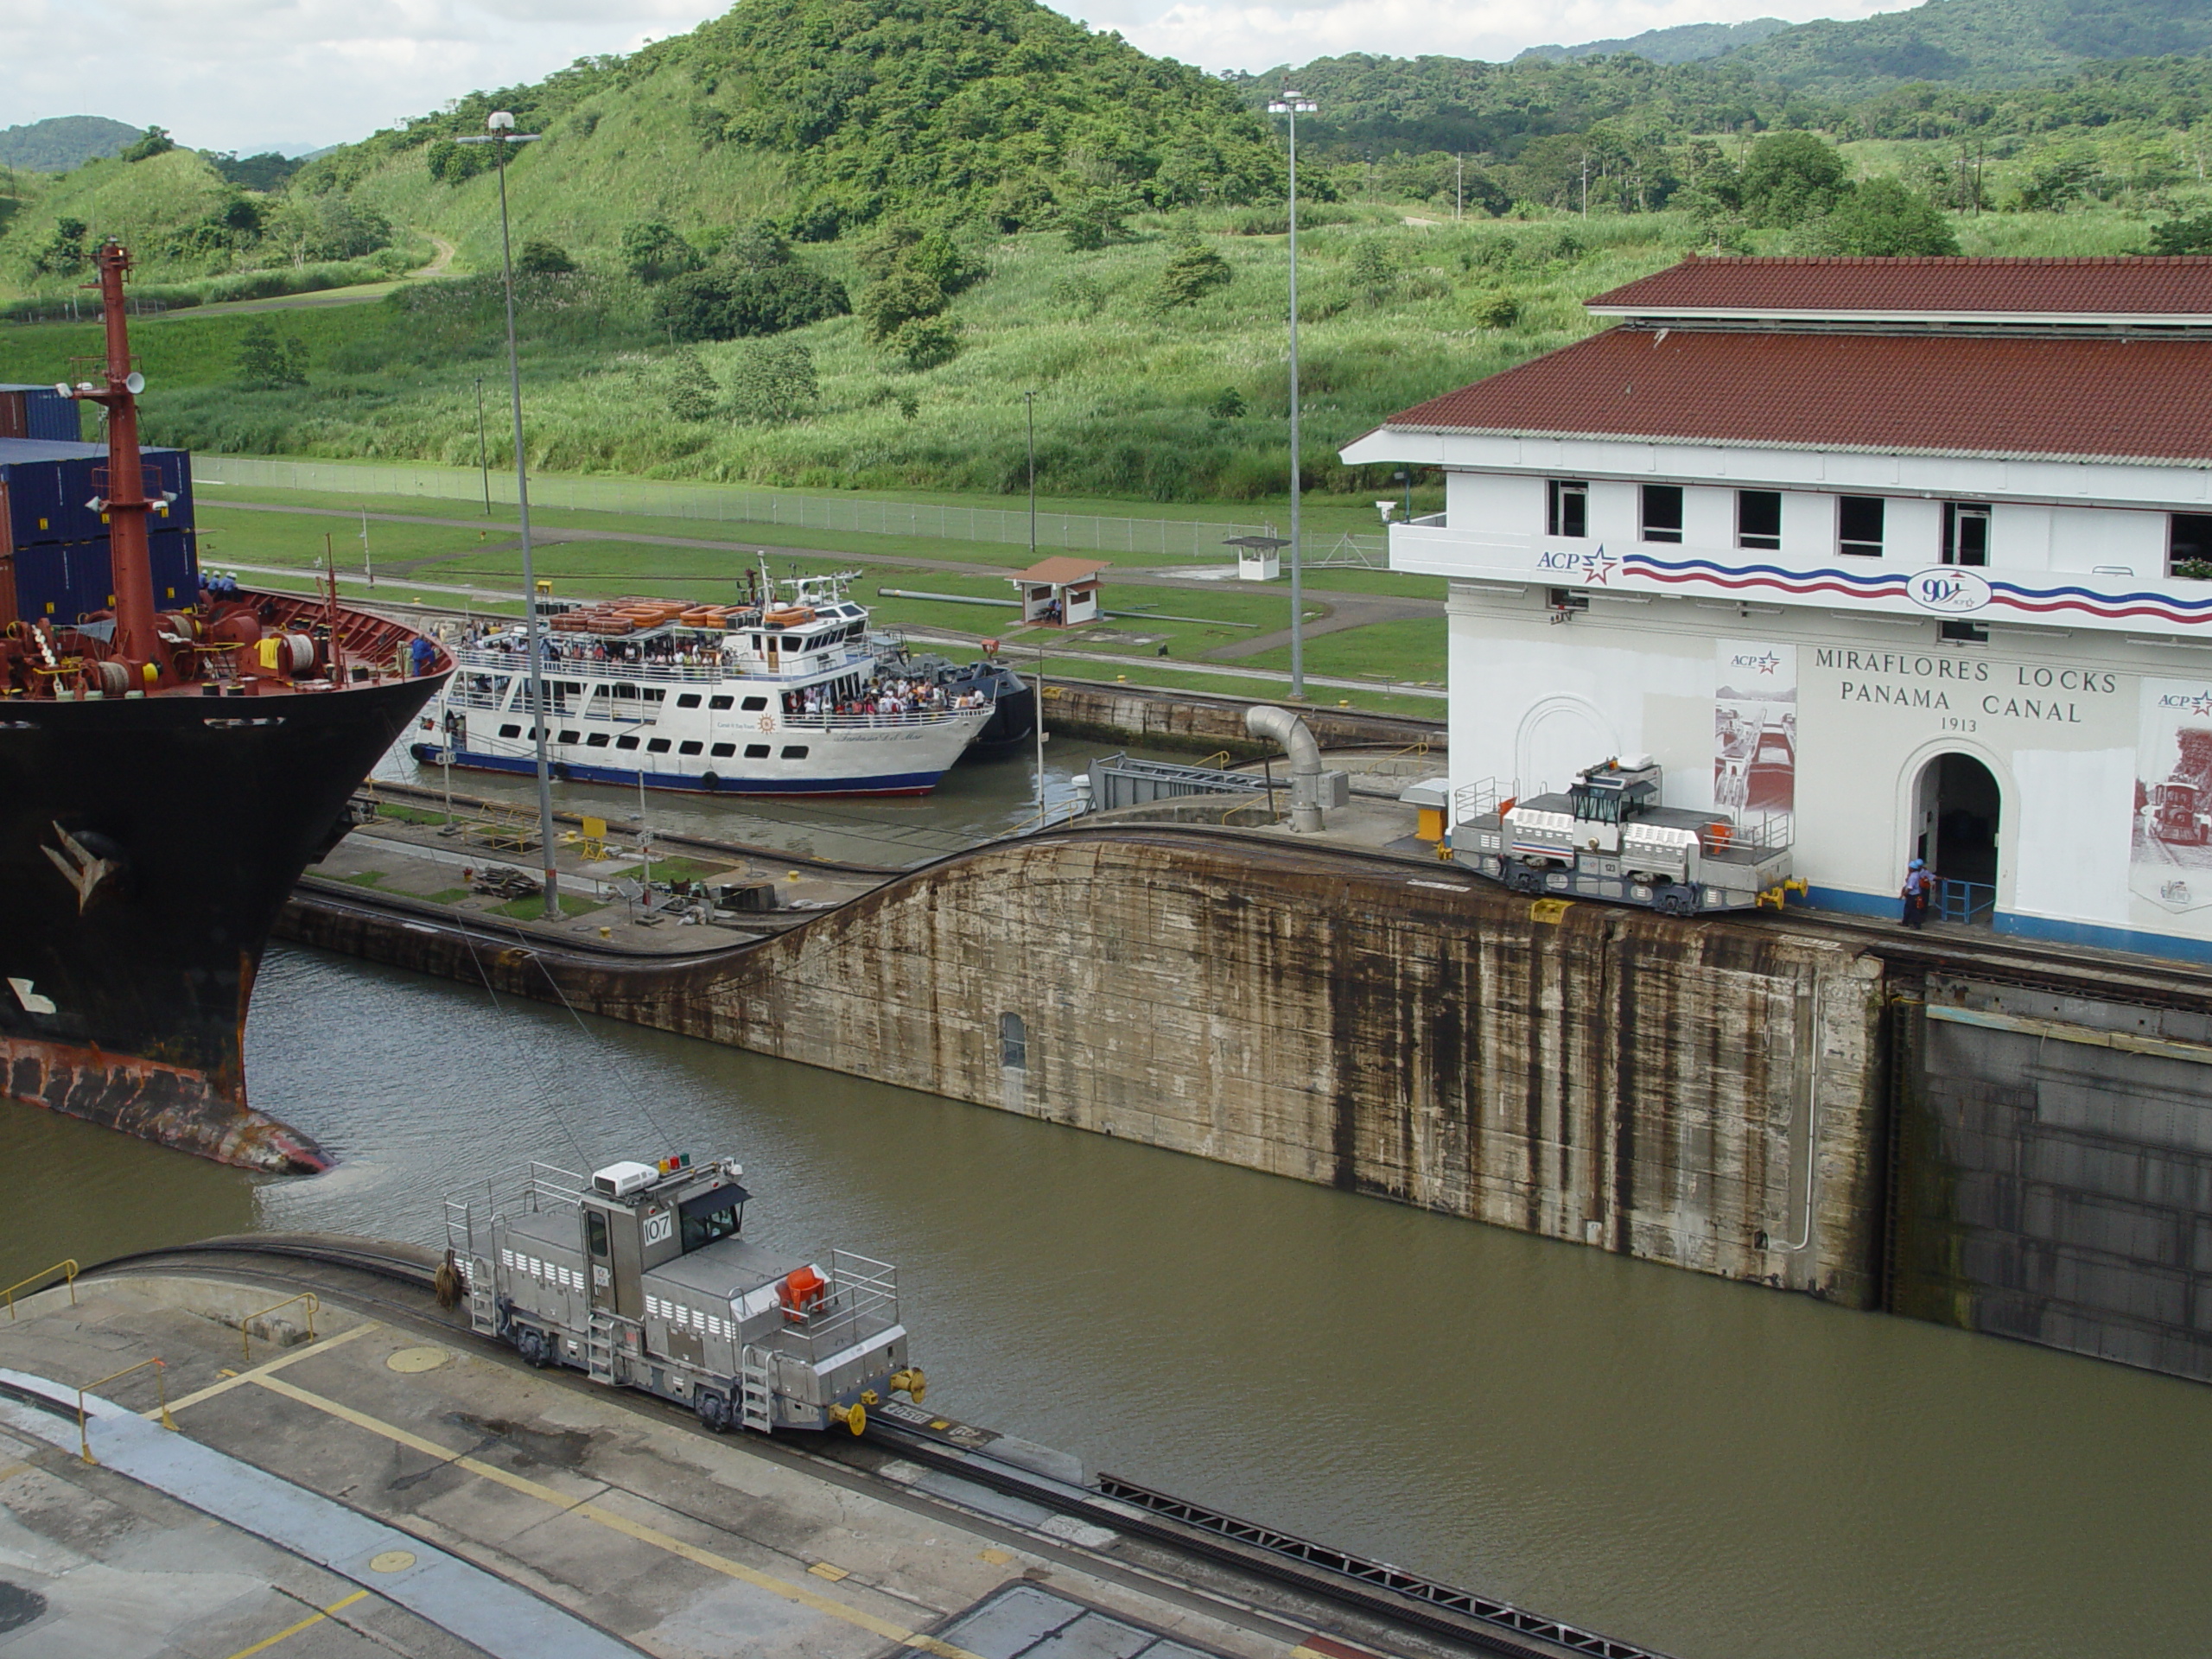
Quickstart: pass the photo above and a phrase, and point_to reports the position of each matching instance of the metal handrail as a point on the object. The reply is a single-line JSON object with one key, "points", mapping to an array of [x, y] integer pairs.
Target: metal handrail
{"points": [[161, 1375], [68, 1269], [245, 1324], [1964, 901]]}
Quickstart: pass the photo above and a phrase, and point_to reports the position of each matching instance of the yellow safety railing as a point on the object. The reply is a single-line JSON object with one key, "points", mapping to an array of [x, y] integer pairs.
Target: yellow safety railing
{"points": [[161, 1375], [68, 1269], [306, 1298], [1219, 757]]}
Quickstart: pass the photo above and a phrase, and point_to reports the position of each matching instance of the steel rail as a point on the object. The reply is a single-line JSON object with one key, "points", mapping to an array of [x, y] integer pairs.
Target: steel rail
{"points": [[1373, 1589]]}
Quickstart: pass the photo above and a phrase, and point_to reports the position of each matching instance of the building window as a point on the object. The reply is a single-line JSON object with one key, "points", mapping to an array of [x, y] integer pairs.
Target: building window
{"points": [[1759, 519], [2189, 549], [1662, 512], [1965, 533], [1566, 508], [1859, 525], [1013, 1042], [1966, 633]]}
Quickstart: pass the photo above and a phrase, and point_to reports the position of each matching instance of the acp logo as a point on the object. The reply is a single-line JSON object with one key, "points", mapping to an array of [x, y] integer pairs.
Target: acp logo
{"points": [[1947, 589], [1765, 661]]}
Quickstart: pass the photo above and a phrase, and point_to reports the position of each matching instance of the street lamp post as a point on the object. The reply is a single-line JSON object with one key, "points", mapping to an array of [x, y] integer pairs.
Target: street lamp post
{"points": [[1037, 720], [483, 450], [1293, 105], [502, 134]]}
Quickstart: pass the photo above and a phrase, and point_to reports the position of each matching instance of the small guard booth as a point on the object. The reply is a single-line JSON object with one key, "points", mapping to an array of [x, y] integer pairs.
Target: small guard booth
{"points": [[1060, 592], [1259, 558]]}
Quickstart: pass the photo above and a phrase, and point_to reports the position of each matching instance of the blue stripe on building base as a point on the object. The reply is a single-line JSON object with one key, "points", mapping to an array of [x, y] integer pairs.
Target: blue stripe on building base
{"points": [[2045, 928]]}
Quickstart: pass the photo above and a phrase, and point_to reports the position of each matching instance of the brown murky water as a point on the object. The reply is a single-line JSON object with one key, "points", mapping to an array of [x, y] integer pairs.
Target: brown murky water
{"points": [[1709, 1468]]}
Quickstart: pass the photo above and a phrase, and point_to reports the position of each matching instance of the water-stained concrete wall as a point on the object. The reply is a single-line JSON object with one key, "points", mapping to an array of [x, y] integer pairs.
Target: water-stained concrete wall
{"points": [[1704, 1094]]}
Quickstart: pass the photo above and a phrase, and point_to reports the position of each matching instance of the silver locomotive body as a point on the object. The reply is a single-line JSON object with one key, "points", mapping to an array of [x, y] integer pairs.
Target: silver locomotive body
{"points": [[1608, 837], [640, 1277]]}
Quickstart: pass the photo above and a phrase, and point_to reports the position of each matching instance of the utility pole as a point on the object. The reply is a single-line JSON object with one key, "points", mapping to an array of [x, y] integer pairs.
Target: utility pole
{"points": [[1037, 719], [368, 568], [1029, 401], [1586, 184], [1293, 105], [483, 453], [502, 134], [1459, 187]]}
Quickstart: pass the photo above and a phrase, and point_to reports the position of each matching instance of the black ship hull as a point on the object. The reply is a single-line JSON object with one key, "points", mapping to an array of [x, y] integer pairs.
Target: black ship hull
{"points": [[146, 846]]}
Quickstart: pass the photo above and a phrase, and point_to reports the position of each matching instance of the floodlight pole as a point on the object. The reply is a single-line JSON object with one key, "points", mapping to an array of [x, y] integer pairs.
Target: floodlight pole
{"points": [[502, 134], [483, 450], [1293, 104], [1036, 720]]}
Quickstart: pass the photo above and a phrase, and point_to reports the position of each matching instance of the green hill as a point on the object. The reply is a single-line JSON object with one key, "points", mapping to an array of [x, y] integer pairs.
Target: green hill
{"points": [[61, 142], [1684, 43], [1990, 42], [822, 116]]}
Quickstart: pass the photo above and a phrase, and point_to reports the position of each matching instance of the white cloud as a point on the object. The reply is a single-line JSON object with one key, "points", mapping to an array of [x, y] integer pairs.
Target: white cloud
{"points": [[255, 74]]}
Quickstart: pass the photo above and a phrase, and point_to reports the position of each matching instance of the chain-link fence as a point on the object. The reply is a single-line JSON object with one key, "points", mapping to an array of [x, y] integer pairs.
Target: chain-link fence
{"points": [[1172, 538]]}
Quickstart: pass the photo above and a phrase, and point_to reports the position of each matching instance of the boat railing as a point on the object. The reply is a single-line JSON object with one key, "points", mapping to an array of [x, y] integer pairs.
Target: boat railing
{"points": [[586, 668], [826, 722]]}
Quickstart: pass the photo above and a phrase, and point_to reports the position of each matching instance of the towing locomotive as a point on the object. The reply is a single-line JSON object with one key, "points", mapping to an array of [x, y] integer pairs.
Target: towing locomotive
{"points": [[1608, 837], [640, 1277]]}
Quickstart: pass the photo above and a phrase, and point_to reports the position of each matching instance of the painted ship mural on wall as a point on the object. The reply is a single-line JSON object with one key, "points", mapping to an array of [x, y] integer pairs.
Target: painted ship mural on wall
{"points": [[172, 756]]}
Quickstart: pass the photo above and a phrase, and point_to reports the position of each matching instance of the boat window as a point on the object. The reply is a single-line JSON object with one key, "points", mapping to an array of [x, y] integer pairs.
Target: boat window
{"points": [[622, 689], [756, 751], [658, 745], [596, 1233], [754, 705], [756, 642], [596, 740], [794, 752], [718, 702], [723, 751], [856, 631], [689, 700], [626, 741], [689, 748], [655, 694], [572, 737], [509, 731]]}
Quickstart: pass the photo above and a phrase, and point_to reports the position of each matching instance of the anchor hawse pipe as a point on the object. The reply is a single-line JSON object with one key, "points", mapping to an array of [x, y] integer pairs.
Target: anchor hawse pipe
{"points": [[1304, 754]]}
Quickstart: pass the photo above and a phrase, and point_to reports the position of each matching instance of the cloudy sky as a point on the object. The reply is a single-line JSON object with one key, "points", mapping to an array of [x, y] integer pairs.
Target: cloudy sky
{"points": [[295, 74]]}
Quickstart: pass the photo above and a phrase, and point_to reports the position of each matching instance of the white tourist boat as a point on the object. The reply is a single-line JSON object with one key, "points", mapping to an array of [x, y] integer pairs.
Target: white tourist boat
{"points": [[784, 697]]}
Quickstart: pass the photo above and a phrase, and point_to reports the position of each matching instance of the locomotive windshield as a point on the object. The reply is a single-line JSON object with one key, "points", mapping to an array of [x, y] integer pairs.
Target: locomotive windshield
{"points": [[713, 1216], [1594, 808]]}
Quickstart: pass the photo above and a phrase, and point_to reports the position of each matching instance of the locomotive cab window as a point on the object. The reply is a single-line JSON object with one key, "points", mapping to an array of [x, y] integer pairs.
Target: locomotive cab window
{"points": [[596, 1233], [713, 1216]]}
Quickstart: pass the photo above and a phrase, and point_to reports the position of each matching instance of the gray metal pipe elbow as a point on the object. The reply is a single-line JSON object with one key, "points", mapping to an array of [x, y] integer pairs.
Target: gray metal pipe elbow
{"points": [[1287, 729]]}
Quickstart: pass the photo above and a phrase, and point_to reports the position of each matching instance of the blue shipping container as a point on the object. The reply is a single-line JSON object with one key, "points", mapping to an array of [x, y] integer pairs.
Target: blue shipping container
{"points": [[38, 412], [66, 581], [51, 487]]}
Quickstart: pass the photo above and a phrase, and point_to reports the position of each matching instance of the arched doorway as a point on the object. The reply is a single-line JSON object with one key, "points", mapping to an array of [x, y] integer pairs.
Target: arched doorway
{"points": [[1558, 738], [1958, 810]]}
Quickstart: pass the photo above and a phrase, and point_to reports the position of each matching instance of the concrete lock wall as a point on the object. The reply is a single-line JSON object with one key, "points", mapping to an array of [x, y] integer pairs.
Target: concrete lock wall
{"points": [[2054, 1170], [1708, 1097]]}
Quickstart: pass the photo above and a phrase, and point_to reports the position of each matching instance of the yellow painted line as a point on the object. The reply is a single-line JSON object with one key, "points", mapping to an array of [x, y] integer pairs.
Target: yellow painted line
{"points": [[269, 1641], [613, 1521], [9, 1471], [232, 1379]]}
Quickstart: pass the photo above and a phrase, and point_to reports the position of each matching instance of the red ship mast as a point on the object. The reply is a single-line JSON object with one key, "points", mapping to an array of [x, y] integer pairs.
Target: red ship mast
{"points": [[138, 646]]}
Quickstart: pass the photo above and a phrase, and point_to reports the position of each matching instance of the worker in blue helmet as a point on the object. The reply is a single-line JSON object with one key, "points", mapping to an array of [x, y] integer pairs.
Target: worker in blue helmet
{"points": [[1919, 887]]}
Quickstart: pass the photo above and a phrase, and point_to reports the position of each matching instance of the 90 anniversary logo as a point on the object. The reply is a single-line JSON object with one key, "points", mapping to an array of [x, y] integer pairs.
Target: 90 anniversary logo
{"points": [[1947, 589]]}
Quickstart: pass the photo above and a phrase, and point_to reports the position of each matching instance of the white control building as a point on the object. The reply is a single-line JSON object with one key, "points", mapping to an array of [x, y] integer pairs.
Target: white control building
{"points": [[1917, 551]]}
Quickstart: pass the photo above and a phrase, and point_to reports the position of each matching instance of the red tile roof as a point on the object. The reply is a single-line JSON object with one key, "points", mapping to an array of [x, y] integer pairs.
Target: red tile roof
{"points": [[2104, 397], [2174, 289]]}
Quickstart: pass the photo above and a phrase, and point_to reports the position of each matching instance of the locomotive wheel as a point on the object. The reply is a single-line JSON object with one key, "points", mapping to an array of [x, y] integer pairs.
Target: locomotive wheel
{"points": [[1527, 881], [530, 1344], [713, 1411], [1676, 903]]}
